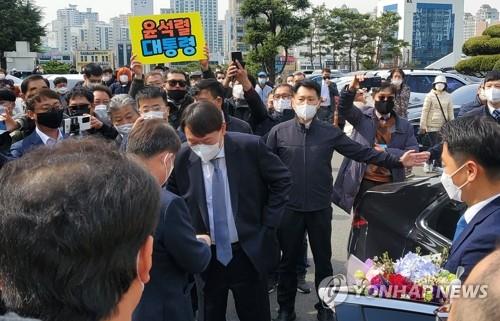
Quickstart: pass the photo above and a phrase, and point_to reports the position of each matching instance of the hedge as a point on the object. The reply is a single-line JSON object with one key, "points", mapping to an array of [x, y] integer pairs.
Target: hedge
{"points": [[478, 64], [493, 31], [482, 45]]}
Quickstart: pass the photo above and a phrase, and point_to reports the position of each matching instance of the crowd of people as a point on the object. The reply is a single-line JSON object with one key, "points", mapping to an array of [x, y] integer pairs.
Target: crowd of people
{"points": [[151, 196]]}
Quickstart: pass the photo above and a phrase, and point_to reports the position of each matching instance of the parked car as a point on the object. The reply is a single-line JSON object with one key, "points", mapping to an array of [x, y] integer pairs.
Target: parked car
{"points": [[319, 77], [419, 81], [17, 81], [399, 217]]}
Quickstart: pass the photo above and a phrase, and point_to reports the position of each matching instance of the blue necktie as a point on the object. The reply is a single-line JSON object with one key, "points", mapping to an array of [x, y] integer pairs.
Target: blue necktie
{"points": [[221, 228], [496, 115], [461, 225]]}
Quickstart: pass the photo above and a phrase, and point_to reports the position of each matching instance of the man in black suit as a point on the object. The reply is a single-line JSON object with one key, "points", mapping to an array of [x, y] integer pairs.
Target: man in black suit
{"points": [[178, 251], [492, 94], [236, 190]]}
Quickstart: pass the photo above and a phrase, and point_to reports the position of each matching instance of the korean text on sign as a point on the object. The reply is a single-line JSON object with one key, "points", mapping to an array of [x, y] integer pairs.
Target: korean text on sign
{"points": [[167, 38]]}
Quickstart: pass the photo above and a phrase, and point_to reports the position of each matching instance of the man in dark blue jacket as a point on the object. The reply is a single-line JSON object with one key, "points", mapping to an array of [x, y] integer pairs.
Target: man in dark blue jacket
{"points": [[492, 95], [471, 164], [306, 145], [177, 252], [236, 190]]}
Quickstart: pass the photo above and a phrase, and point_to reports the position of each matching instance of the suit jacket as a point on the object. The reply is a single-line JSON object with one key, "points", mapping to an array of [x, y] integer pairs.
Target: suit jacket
{"points": [[233, 124], [479, 112], [176, 254], [478, 239], [259, 185], [18, 149]]}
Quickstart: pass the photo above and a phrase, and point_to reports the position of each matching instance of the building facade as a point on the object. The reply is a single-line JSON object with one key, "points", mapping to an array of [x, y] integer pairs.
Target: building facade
{"points": [[101, 57], [434, 29], [486, 12], [469, 26], [142, 7]]}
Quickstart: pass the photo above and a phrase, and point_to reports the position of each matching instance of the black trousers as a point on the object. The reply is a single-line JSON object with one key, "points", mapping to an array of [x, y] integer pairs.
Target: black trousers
{"points": [[249, 289], [291, 235]]}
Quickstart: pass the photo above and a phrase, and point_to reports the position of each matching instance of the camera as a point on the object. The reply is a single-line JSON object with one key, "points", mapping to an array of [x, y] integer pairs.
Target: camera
{"points": [[371, 82], [76, 124]]}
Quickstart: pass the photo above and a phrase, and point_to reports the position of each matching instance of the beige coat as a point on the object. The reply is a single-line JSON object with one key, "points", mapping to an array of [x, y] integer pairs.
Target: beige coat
{"points": [[432, 118]]}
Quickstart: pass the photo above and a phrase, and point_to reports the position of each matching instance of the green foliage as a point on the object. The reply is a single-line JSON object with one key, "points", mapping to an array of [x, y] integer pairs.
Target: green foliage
{"points": [[497, 65], [20, 21], [273, 25], [482, 45], [478, 64], [369, 64], [56, 67], [492, 31]]}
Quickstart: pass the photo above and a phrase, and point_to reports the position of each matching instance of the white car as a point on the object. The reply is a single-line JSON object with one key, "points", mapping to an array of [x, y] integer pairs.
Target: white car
{"points": [[419, 81]]}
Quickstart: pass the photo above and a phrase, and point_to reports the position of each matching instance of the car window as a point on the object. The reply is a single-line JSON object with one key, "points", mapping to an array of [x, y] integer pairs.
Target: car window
{"points": [[453, 84], [419, 83], [465, 94], [444, 217]]}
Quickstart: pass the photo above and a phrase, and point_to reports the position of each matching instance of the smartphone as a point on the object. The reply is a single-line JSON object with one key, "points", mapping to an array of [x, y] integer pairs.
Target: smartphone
{"points": [[369, 83], [237, 55]]}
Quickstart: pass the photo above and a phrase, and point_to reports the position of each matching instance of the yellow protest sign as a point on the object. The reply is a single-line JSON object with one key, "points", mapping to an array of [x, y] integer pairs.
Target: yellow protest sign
{"points": [[165, 38]]}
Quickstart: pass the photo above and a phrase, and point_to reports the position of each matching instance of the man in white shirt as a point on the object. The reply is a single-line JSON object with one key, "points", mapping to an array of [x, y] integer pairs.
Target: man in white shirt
{"points": [[46, 110], [471, 164], [329, 97], [262, 88]]}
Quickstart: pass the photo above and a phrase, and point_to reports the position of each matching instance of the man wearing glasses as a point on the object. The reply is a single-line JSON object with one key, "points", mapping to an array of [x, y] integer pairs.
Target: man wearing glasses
{"points": [[45, 109]]}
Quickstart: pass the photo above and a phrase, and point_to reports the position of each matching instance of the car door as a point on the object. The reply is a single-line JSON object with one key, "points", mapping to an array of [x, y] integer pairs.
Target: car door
{"points": [[420, 85]]}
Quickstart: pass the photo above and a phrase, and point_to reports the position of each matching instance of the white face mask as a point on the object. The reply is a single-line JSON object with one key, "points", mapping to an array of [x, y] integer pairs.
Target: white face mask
{"points": [[106, 78], [154, 115], [454, 192], [282, 104], [124, 78], [206, 152], [124, 129], [440, 87], [397, 82], [2, 76], [262, 81], [238, 92], [492, 95], [306, 112], [62, 90]]}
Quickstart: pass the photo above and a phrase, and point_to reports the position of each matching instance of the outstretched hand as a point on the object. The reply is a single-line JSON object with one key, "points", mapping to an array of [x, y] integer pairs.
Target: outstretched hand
{"points": [[413, 159]]}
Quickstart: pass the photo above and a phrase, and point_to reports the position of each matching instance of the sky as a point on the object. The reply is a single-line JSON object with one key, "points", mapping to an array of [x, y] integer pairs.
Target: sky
{"points": [[112, 8]]}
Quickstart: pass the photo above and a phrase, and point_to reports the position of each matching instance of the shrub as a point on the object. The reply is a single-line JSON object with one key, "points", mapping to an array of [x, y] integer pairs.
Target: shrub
{"points": [[482, 45], [493, 31], [478, 64]]}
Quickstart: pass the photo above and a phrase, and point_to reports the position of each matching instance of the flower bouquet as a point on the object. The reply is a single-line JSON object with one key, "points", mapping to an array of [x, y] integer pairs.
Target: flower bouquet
{"points": [[413, 277]]}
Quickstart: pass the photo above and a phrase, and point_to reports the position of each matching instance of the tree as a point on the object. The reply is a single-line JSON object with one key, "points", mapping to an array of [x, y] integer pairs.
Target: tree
{"points": [[56, 67], [484, 51], [21, 21], [273, 24]]}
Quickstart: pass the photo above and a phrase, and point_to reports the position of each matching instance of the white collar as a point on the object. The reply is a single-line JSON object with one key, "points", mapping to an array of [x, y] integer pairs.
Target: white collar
{"points": [[476, 208], [44, 137], [380, 116], [491, 108]]}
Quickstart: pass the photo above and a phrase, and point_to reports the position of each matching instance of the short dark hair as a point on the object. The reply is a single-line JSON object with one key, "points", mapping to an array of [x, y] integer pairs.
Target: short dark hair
{"points": [[384, 85], [283, 85], [151, 92], [60, 80], [309, 84], [202, 118], [103, 89], [159, 67], [39, 96], [107, 70], [79, 92], [92, 69], [153, 73], [477, 138], [493, 75], [326, 70], [177, 71], [69, 239], [30, 78], [397, 70], [152, 136], [212, 85], [7, 95]]}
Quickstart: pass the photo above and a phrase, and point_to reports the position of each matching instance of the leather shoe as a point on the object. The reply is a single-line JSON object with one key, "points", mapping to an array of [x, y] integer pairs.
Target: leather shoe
{"points": [[286, 316], [325, 315]]}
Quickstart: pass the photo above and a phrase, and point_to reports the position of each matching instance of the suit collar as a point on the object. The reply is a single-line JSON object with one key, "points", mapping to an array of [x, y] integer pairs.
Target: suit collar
{"points": [[486, 211]]}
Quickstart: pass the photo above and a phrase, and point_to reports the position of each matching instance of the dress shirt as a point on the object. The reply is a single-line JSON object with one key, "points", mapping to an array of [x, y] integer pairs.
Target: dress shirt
{"points": [[325, 94], [476, 208], [46, 139]]}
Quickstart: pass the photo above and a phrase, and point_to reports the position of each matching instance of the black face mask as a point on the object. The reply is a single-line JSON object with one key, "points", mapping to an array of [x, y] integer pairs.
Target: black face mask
{"points": [[177, 94], [50, 119], [384, 107]]}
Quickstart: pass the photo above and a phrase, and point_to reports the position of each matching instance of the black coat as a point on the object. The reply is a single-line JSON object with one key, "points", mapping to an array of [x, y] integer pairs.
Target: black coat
{"points": [[176, 255], [259, 185]]}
